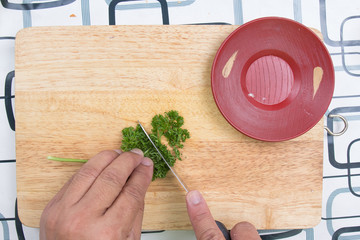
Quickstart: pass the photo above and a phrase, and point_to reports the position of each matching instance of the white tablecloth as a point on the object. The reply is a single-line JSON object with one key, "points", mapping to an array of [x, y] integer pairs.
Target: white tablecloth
{"points": [[339, 22]]}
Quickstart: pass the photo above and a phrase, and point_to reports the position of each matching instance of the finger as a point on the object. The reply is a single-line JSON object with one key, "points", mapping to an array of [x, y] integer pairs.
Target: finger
{"points": [[201, 219], [87, 174], [110, 182], [138, 221], [131, 199], [244, 231], [136, 229]]}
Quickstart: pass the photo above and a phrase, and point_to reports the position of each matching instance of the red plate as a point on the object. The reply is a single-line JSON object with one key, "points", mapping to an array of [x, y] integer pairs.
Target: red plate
{"points": [[272, 79]]}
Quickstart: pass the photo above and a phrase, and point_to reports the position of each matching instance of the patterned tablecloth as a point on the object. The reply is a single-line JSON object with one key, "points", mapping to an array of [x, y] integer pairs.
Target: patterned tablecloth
{"points": [[339, 23]]}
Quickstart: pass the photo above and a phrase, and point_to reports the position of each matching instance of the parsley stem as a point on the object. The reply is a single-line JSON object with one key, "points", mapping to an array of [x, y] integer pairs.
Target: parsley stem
{"points": [[66, 159]]}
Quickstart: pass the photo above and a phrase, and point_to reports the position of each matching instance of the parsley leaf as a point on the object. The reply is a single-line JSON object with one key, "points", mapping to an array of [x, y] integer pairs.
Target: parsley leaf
{"points": [[167, 125]]}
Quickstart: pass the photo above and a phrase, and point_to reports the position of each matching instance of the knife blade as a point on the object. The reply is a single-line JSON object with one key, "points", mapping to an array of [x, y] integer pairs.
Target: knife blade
{"points": [[171, 169]]}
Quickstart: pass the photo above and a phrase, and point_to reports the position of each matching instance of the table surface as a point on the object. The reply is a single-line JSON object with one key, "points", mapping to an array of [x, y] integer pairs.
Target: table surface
{"points": [[338, 22]]}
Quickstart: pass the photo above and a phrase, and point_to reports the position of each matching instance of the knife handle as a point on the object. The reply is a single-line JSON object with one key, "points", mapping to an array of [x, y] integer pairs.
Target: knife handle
{"points": [[223, 229]]}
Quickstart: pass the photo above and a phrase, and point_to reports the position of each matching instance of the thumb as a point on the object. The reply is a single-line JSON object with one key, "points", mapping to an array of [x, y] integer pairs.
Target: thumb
{"points": [[201, 219], [244, 231]]}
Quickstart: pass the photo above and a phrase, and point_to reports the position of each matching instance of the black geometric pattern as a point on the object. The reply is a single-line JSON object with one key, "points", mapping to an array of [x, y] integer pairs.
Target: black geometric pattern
{"points": [[342, 154]]}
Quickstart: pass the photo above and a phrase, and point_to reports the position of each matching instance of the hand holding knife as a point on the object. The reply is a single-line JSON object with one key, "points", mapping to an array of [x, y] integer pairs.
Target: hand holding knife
{"points": [[220, 225]]}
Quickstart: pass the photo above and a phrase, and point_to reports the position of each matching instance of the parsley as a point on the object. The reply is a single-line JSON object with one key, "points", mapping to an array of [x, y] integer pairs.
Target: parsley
{"points": [[167, 125]]}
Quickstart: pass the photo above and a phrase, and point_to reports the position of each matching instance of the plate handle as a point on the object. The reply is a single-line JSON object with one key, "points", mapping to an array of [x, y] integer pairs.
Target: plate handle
{"points": [[346, 125]]}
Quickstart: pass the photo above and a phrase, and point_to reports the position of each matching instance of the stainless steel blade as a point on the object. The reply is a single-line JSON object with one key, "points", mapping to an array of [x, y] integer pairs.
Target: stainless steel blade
{"points": [[171, 169]]}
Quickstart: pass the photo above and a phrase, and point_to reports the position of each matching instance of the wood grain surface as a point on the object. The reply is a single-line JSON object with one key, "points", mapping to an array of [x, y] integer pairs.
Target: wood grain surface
{"points": [[78, 87]]}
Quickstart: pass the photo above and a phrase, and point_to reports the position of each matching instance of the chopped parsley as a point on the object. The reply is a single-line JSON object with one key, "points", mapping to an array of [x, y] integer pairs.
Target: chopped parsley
{"points": [[167, 125]]}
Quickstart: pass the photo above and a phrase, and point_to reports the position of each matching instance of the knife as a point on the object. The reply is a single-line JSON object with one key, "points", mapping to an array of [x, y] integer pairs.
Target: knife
{"points": [[171, 169], [220, 225]]}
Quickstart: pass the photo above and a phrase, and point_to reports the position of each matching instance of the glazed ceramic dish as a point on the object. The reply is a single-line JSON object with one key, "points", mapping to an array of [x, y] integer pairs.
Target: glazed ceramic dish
{"points": [[272, 79]]}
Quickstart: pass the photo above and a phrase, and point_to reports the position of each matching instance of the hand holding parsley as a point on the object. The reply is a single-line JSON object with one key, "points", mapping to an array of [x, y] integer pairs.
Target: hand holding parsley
{"points": [[103, 200]]}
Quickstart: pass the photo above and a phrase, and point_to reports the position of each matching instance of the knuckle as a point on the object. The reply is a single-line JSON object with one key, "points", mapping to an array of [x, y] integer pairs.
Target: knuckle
{"points": [[112, 177], [50, 224], [201, 216], [109, 232], [136, 193], [70, 228], [64, 227], [211, 234], [87, 172], [125, 233], [108, 154], [73, 223], [49, 218]]}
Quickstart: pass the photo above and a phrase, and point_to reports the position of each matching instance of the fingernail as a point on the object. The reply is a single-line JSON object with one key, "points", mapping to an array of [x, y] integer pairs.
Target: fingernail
{"points": [[194, 197], [147, 162], [137, 151], [118, 151]]}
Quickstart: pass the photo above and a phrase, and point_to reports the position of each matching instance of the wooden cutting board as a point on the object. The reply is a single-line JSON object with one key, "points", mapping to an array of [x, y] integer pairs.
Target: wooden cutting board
{"points": [[78, 87]]}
